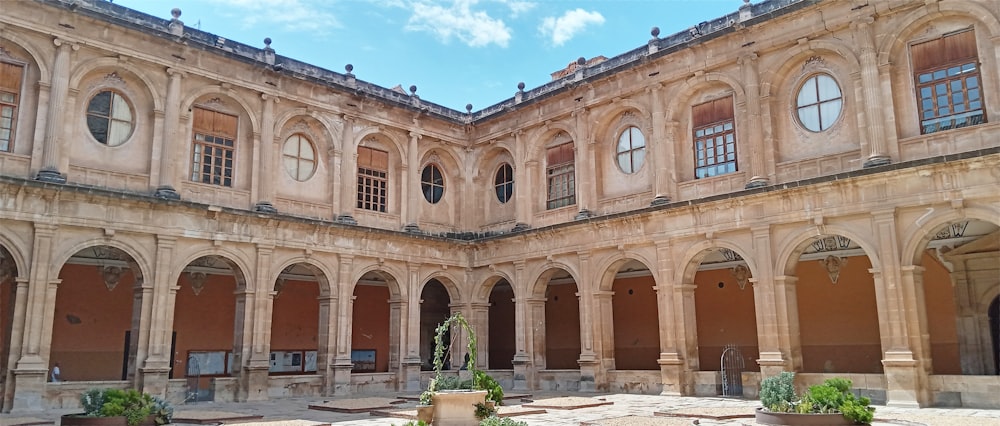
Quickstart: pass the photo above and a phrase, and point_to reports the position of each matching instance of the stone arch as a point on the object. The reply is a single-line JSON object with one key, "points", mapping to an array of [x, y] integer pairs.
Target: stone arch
{"points": [[234, 260], [450, 283], [603, 125], [486, 287], [795, 55], [490, 160], [609, 266], [283, 127], [45, 74], [539, 139], [899, 34], [544, 272], [187, 103], [696, 253], [386, 272], [319, 269], [793, 246], [392, 139], [16, 252], [95, 64], [132, 250], [681, 95], [919, 233]]}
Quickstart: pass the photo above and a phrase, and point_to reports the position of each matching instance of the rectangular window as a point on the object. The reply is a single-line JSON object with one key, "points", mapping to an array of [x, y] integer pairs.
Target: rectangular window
{"points": [[214, 147], [10, 94], [946, 76], [561, 174], [373, 172], [714, 138]]}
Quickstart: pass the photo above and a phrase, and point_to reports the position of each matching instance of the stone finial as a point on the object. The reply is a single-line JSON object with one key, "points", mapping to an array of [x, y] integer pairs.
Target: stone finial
{"points": [[349, 68], [176, 26], [655, 32], [413, 90], [520, 86], [581, 61], [268, 51], [267, 43], [468, 108]]}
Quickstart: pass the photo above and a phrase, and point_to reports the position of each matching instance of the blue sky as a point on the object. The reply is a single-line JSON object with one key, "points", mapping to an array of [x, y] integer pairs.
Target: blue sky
{"points": [[455, 51]]}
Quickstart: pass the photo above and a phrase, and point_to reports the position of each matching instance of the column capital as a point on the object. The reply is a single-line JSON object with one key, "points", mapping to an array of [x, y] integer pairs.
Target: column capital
{"points": [[174, 72]]}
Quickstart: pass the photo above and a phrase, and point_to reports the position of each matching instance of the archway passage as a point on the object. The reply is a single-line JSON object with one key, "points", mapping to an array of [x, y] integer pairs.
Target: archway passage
{"points": [[636, 322], [295, 321], [838, 316], [562, 323], [96, 317], [205, 326], [8, 291], [961, 278], [434, 310], [724, 310], [501, 327], [370, 319]]}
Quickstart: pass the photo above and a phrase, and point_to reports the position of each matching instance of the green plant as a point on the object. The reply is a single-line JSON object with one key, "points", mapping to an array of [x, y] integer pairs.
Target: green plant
{"points": [[501, 421], [777, 393], [484, 410], [494, 392], [414, 423], [135, 406], [162, 411], [480, 380]]}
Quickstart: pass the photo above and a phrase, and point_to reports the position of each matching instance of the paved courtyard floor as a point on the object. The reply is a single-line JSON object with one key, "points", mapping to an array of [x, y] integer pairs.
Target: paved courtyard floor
{"points": [[606, 410]]}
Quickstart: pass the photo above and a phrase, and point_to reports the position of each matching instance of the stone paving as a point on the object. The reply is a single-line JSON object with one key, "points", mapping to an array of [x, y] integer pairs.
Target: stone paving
{"points": [[607, 410]]}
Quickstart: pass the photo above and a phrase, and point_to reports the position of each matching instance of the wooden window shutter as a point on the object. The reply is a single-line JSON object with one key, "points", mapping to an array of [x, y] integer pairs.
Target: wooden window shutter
{"points": [[364, 157], [224, 125], [560, 154], [945, 50], [203, 121], [712, 112], [374, 159], [10, 77]]}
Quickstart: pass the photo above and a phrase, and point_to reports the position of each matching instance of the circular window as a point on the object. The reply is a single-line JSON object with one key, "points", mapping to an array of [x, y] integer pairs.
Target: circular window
{"points": [[504, 183], [432, 183], [109, 118], [631, 150], [299, 157], [819, 103]]}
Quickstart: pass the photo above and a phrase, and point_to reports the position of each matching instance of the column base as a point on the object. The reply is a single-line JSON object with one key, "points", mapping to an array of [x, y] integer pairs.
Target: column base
{"points": [[346, 219], [660, 200], [673, 375], [153, 380], [583, 214], [520, 226], [264, 207], [166, 193], [29, 390], [876, 161], [906, 382], [590, 375], [253, 383], [412, 228], [341, 377], [410, 374], [756, 183], [51, 176], [522, 372]]}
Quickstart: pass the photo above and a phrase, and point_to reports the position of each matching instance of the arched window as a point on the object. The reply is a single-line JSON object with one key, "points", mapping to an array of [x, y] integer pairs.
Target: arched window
{"points": [[560, 171], [10, 94], [631, 150], [373, 179], [299, 157], [819, 102], [947, 78], [432, 183], [109, 118], [714, 138], [214, 150], [504, 182]]}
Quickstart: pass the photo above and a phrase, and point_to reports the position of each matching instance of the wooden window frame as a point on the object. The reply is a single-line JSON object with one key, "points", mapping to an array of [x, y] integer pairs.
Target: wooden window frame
{"points": [[373, 180], [713, 122], [947, 82], [560, 172], [214, 146], [503, 183], [11, 85]]}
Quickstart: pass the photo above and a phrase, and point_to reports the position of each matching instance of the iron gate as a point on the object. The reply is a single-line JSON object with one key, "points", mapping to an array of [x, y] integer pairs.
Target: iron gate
{"points": [[732, 371]]}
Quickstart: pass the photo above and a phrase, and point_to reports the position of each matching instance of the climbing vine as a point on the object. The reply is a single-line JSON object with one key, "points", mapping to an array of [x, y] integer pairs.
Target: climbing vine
{"points": [[439, 353]]}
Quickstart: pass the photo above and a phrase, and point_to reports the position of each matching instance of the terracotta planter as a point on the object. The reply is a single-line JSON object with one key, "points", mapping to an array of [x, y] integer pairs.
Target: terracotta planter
{"points": [[425, 413], [83, 420], [771, 418], [456, 407]]}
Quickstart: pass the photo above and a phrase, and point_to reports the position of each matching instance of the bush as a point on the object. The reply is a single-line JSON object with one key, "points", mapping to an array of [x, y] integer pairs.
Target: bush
{"points": [[777, 393], [501, 421], [135, 406]]}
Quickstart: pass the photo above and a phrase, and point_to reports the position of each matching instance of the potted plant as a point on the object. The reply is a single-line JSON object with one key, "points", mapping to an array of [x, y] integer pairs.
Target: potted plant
{"points": [[450, 400], [116, 407], [830, 403]]}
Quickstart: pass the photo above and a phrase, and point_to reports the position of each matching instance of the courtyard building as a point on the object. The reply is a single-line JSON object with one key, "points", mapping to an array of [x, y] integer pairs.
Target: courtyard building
{"points": [[801, 185]]}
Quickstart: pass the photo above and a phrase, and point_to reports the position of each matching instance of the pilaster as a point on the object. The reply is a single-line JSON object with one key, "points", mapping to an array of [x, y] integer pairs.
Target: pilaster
{"points": [[56, 117], [170, 145]]}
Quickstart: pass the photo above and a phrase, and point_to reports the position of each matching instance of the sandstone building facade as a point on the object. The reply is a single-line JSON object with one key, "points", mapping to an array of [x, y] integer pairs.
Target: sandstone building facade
{"points": [[801, 185]]}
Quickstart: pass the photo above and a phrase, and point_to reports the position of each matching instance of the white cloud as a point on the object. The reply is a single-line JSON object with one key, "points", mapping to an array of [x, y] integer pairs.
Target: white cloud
{"points": [[474, 28], [518, 7], [565, 27], [292, 15]]}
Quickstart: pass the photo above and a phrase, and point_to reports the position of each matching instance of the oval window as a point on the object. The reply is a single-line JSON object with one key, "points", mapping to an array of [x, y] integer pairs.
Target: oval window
{"points": [[631, 150], [504, 183], [299, 157], [109, 118], [819, 102], [432, 183]]}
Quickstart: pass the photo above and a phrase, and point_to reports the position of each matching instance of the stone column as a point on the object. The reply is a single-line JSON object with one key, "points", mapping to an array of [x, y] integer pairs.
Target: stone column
{"points": [[155, 370], [687, 331], [268, 147], [522, 184], [873, 101], [674, 375], [412, 195], [786, 311], [537, 348], [522, 329], [258, 304], [755, 137], [479, 320], [142, 307], [172, 145], [658, 147], [348, 174], [31, 370], [604, 336], [327, 342], [56, 118], [342, 364], [411, 341], [16, 338], [590, 369], [586, 186], [773, 357], [915, 306]]}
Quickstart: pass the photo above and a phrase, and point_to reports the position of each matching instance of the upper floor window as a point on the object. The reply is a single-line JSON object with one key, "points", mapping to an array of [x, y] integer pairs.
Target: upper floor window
{"points": [[631, 150], [503, 183], [299, 157], [714, 138], [947, 79], [10, 94], [109, 118], [214, 147], [561, 174], [432, 183], [819, 102], [373, 171]]}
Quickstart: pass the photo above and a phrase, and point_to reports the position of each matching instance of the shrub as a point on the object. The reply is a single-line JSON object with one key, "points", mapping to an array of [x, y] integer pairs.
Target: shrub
{"points": [[501, 421], [135, 406], [777, 393]]}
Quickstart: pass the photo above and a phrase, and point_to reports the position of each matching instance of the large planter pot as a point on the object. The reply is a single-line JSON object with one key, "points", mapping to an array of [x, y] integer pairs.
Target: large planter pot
{"points": [[456, 407], [425, 413], [771, 418], [83, 420]]}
